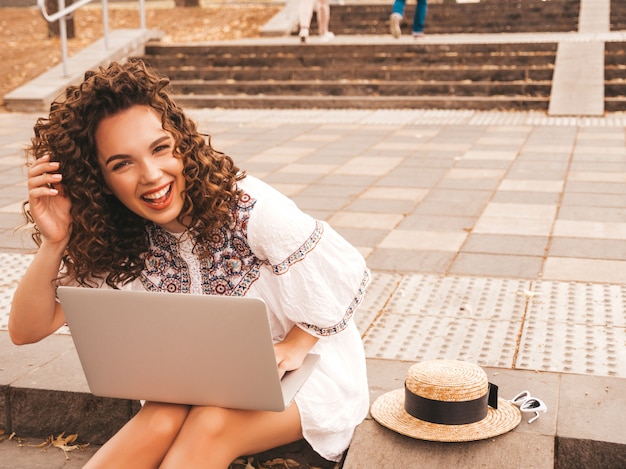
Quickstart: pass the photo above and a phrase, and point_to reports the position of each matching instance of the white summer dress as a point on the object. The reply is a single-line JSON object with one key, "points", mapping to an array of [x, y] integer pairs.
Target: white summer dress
{"points": [[307, 274]]}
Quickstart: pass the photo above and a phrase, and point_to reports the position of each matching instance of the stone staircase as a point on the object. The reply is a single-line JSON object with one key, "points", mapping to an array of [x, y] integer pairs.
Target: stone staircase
{"points": [[615, 62], [393, 74], [618, 15], [461, 76], [615, 76], [449, 17]]}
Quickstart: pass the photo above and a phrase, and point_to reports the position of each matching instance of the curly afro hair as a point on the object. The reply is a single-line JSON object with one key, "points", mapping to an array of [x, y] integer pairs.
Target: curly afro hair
{"points": [[108, 241]]}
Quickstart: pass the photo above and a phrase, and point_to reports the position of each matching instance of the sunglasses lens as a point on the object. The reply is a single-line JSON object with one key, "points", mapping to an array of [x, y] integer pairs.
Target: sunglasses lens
{"points": [[531, 404], [520, 398]]}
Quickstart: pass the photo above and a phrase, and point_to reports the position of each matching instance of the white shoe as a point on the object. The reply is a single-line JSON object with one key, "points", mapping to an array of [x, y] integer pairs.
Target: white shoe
{"points": [[394, 25], [304, 34], [327, 36]]}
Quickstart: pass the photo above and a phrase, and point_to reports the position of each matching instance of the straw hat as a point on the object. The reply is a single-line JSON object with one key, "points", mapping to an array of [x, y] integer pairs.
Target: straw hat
{"points": [[446, 400]]}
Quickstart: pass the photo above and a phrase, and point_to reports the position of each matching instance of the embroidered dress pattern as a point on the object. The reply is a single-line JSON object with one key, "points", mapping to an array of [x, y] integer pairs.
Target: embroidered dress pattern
{"points": [[341, 325], [301, 252], [229, 269]]}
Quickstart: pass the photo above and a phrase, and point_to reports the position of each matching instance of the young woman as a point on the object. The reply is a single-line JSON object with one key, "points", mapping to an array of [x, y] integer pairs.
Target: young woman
{"points": [[419, 18], [124, 192], [323, 19]]}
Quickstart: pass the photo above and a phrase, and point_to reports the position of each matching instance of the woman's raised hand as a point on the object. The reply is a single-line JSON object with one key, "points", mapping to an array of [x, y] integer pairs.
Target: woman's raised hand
{"points": [[48, 205]]}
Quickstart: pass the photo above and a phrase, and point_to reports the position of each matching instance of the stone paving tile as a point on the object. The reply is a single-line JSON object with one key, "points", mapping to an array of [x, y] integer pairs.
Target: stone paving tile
{"points": [[453, 202], [469, 184], [506, 244], [424, 240], [521, 211], [593, 187], [585, 270], [530, 185], [400, 193], [595, 214], [437, 223], [404, 260], [593, 200], [518, 197], [514, 226], [497, 265], [589, 229], [366, 220], [381, 206], [614, 249], [594, 409]]}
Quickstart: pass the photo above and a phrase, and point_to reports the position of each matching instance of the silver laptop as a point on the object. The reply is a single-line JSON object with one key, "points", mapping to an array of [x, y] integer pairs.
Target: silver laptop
{"points": [[179, 348]]}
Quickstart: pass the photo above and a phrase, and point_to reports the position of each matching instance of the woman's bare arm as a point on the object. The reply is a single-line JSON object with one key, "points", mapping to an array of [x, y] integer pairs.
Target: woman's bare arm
{"points": [[291, 351], [35, 313]]}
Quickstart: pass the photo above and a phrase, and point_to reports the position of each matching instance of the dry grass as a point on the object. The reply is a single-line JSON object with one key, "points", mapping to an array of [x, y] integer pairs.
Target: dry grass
{"points": [[26, 51]]}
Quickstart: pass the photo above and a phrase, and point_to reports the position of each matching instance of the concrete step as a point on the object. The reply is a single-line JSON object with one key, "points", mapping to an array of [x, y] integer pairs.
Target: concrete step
{"points": [[487, 16], [492, 103], [615, 104], [328, 55], [615, 76], [579, 430], [360, 88], [326, 59], [618, 15], [360, 76], [43, 392], [365, 73]]}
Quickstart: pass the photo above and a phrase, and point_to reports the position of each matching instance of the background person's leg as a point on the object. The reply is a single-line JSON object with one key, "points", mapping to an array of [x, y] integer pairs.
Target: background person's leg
{"points": [[306, 13], [323, 19], [419, 19], [395, 19]]}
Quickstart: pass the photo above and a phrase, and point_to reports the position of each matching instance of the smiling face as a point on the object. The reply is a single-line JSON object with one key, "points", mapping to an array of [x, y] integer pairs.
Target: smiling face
{"points": [[137, 159]]}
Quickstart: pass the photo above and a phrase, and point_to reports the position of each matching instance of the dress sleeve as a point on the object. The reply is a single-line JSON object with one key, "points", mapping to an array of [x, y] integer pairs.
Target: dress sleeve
{"points": [[317, 278]]}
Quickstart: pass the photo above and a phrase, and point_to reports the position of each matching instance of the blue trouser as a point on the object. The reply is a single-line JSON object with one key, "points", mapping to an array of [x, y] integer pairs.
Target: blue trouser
{"points": [[420, 13]]}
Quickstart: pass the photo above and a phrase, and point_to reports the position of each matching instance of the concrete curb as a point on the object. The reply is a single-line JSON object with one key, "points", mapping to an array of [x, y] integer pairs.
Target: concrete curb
{"points": [[44, 392], [577, 431]]}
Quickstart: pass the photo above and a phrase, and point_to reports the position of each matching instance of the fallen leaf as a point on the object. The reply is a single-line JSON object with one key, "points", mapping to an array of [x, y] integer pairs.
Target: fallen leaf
{"points": [[61, 442]]}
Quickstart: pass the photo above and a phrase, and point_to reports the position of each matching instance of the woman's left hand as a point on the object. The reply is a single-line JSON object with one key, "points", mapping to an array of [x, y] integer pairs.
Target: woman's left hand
{"points": [[291, 351]]}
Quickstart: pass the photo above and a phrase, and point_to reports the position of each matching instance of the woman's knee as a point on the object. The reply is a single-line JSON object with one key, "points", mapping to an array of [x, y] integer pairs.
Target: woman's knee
{"points": [[163, 421], [210, 422]]}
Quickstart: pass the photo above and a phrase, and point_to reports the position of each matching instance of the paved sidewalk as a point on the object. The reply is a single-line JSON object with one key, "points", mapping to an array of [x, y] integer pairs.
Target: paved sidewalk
{"points": [[515, 230]]}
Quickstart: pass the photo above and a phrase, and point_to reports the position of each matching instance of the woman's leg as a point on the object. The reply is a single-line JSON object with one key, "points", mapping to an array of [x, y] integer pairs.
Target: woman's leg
{"points": [[144, 441], [420, 17], [213, 437], [306, 13], [398, 7], [397, 12], [323, 16]]}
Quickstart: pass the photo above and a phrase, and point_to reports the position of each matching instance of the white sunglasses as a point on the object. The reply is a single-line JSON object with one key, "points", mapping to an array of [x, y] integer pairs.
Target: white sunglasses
{"points": [[527, 403]]}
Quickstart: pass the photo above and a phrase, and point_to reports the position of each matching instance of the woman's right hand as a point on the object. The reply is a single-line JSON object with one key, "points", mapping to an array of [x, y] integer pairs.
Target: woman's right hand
{"points": [[48, 205]]}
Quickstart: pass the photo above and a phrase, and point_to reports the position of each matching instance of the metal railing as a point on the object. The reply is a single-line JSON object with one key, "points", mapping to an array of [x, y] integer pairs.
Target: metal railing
{"points": [[63, 12]]}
